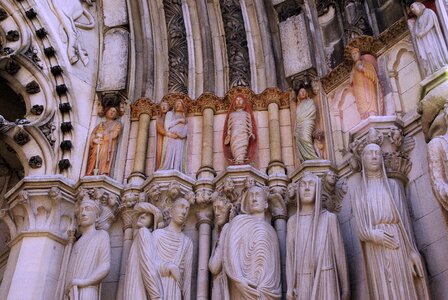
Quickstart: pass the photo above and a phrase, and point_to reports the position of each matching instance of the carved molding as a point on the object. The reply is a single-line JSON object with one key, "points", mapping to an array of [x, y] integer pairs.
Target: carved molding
{"points": [[142, 106]]}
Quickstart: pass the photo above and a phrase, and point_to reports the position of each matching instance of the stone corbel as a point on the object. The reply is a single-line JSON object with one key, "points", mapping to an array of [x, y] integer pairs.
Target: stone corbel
{"points": [[203, 201]]}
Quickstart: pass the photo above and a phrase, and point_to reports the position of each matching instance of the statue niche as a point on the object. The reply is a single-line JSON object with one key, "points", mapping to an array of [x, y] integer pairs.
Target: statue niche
{"points": [[240, 132]]}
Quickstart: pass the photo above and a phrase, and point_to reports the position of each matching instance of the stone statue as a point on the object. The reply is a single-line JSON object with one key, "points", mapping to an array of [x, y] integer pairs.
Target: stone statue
{"points": [[175, 251], [103, 144], [316, 266], [174, 143], [393, 264], [365, 84], [161, 131], [69, 12], [143, 280], [305, 123], [222, 208], [429, 39], [89, 261], [251, 256], [240, 131], [438, 170]]}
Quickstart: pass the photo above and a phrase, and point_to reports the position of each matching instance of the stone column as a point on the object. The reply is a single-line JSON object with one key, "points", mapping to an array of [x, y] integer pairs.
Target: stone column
{"points": [[204, 226], [39, 217], [142, 109], [206, 171], [276, 165]]}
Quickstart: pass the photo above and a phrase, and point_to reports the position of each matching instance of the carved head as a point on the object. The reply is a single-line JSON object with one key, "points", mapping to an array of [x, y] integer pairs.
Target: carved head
{"points": [[111, 113], [372, 158], [174, 190], [308, 188], [240, 101], [164, 107], [250, 182], [179, 211], [330, 178], [355, 53], [221, 209], [179, 106], [229, 185], [88, 213], [302, 94], [256, 201], [147, 215], [417, 8], [291, 190]]}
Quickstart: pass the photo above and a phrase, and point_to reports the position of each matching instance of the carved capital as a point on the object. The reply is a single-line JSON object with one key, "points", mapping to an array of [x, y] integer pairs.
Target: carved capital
{"points": [[142, 106], [276, 199]]}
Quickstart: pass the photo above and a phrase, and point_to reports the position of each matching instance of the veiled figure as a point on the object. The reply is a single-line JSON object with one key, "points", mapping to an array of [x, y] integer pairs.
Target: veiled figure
{"points": [[393, 264], [89, 261], [305, 123], [239, 131], [251, 258], [365, 84], [316, 266], [175, 251], [143, 280], [174, 143], [103, 144], [429, 38]]}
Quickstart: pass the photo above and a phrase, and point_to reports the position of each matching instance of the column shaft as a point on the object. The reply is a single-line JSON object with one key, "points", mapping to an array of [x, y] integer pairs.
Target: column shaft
{"points": [[142, 144], [204, 255]]}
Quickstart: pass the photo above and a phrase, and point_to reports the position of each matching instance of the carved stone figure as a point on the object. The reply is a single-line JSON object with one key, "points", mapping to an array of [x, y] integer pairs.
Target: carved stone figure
{"points": [[240, 131], [316, 266], [161, 132], [365, 84], [429, 39], [251, 259], [393, 264], [174, 148], [143, 280], [69, 12], [103, 144], [222, 208], [175, 251], [305, 124], [89, 261], [438, 169]]}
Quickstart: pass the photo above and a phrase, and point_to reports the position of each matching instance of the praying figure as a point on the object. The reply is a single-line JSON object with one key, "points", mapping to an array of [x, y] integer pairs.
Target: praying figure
{"points": [[251, 256], [175, 251], [393, 264], [89, 261], [143, 279], [103, 143], [240, 132], [365, 84], [316, 267], [305, 123], [174, 143], [429, 39]]}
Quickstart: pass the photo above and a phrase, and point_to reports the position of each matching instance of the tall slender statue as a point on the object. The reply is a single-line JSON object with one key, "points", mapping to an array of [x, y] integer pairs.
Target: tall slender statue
{"points": [[103, 143], [221, 208], [89, 261], [365, 84], [240, 132], [393, 264], [316, 266], [143, 280], [175, 251], [429, 39], [174, 148], [162, 132], [251, 258], [305, 123]]}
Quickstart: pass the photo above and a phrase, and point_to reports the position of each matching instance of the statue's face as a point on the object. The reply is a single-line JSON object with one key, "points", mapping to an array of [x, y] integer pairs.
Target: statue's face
{"points": [[179, 106], [111, 113], [179, 212], [331, 178], [303, 94], [145, 220], [371, 157], [356, 55], [87, 214], [307, 190], [239, 102], [256, 200], [221, 213], [250, 182], [415, 9], [164, 107], [291, 190]]}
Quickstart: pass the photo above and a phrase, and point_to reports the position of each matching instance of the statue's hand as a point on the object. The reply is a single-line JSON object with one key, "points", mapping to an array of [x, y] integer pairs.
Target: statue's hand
{"points": [[416, 264], [171, 270], [385, 239]]}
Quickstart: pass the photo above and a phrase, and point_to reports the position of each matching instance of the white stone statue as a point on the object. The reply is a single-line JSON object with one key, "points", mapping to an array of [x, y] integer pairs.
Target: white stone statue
{"points": [[221, 208], [143, 280], [251, 256], [429, 39], [89, 261], [438, 169], [393, 264], [174, 143], [316, 266], [175, 251], [305, 123], [239, 132]]}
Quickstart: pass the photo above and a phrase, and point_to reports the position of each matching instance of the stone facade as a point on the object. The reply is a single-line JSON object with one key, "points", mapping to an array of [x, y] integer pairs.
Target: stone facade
{"points": [[96, 95]]}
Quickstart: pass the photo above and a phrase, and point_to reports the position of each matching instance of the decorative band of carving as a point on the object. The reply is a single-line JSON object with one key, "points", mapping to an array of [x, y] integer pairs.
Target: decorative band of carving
{"points": [[279, 217], [142, 106]]}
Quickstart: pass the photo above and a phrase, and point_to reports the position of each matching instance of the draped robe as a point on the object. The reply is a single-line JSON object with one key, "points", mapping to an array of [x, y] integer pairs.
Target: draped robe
{"points": [[251, 253], [305, 124], [240, 130], [220, 289], [176, 248], [90, 253], [174, 149]]}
